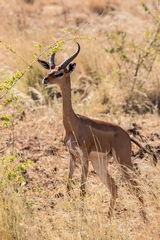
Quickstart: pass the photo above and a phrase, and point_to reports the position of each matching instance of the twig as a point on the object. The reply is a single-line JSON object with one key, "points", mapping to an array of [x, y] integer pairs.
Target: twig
{"points": [[64, 36]]}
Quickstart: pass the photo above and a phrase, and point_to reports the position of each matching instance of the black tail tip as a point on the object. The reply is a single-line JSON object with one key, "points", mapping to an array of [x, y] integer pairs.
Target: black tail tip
{"points": [[155, 160]]}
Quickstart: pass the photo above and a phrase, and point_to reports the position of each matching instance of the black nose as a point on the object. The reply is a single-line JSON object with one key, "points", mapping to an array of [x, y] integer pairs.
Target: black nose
{"points": [[45, 81]]}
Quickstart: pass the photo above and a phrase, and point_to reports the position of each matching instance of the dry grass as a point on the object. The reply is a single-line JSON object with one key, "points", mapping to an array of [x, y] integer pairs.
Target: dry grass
{"points": [[42, 208], [34, 203]]}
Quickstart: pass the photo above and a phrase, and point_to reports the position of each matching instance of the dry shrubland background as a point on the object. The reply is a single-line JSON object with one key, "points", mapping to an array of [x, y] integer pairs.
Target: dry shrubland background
{"points": [[116, 79]]}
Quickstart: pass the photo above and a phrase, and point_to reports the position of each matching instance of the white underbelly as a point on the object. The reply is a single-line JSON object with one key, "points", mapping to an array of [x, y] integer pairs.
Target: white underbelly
{"points": [[97, 156], [93, 156]]}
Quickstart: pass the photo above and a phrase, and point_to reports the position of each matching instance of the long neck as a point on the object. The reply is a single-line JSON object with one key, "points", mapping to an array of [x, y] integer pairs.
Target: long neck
{"points": [[69, 117]]}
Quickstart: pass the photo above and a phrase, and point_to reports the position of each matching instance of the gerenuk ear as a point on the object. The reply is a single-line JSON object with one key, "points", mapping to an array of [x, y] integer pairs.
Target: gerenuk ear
{"points": [[44, 64], [71, 67]]}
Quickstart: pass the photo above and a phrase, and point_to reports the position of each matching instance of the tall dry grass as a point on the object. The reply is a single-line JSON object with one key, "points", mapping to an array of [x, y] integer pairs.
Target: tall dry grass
{"points": [[37, 212], [72, 219], [17, 221]]}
